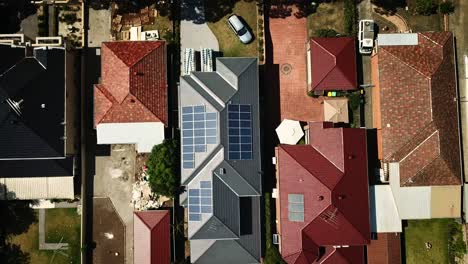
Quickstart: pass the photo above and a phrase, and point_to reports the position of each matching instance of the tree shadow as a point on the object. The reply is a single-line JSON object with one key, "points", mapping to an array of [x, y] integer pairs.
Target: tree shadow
{"points": [[11, 14], [283, 8], [202, 11]]}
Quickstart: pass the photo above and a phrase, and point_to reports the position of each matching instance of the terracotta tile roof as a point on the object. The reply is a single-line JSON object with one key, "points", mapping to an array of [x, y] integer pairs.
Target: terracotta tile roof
{"points": [[385, 250], [333, 182], [134, 83], [418, 111], [333, 63]]}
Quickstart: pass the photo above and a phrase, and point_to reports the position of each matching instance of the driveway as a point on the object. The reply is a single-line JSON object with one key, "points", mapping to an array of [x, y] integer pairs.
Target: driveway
{"points": [[114, 177], [99, 27], [29, 27], [458, 23], [194, 32], [290, 54]]}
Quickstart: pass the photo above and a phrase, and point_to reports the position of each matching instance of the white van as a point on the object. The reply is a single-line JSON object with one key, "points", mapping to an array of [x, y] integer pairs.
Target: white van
{"points": [[366, 36], [240, 29]]}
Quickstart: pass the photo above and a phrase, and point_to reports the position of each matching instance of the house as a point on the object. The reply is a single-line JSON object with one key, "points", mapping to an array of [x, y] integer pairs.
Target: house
{"points": [[151, 237], [221, 162], [37, 122], [322, 196], [385, 249], [130, 103], [331, 64], [416, 115]]}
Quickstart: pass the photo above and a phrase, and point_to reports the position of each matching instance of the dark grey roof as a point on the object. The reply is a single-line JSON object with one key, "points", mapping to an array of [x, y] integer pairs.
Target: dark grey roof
{"points": [[226, 252], [237, 191], [235, 181], [214, 229], [38, 132], [217, 84], [36, 168]]}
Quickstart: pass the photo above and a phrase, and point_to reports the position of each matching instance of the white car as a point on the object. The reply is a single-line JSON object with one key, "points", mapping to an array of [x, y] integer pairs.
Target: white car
{"points": [[240, 29], [366, 36]]}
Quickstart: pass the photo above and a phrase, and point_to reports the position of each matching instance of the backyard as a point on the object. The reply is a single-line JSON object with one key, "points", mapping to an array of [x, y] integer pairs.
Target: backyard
{"points": [[61, 225], [328, 16], [419, 23], [229, 43], [432, 241]]}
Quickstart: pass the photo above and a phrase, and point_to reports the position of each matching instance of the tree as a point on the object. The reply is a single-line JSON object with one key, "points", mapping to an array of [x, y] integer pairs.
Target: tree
{"points": [[446, 7], [163, 168], [426, 7], [12, 254], [350, 20], [326, 33]]}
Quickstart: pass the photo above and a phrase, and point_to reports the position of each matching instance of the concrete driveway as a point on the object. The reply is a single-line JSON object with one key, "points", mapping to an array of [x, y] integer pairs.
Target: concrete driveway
{"points": [[99, 27], [114, 178]]}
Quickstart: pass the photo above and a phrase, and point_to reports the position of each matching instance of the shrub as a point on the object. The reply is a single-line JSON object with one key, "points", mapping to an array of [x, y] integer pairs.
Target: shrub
{"points": [[163, 168], [260, 21], [69, 18], [426, 7], [350, 18], [312, 94], [260, 34], [260, 41], [354, 101], [261, 57], [272, 256], [260, 49], [326, 33], [446, 7]]}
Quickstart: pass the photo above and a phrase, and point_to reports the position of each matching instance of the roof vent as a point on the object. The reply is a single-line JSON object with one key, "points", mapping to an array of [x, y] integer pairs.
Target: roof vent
{"points": [[341, 196], [222, 171], [43, 106], [320, 198], [350, 156], [275, 239], [15, 106]]}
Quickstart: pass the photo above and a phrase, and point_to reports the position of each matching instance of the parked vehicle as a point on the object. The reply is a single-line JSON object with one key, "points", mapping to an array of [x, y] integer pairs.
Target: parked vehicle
{"points": [[366, 36], [240, 29]]}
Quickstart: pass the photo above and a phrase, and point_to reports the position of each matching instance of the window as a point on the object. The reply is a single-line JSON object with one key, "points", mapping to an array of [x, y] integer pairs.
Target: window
{"points": [[296, 207]]}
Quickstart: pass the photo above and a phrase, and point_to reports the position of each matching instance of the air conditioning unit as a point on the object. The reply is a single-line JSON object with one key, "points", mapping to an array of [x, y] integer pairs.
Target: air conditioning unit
{"points": [[276, 239]]}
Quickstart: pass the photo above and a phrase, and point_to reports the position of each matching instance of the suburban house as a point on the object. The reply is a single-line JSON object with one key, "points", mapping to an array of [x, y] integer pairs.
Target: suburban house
{"points": [[322, 200], [331, 64], [37, 121], [221, 162], [130, 102], [151, 236], [416, 115]]}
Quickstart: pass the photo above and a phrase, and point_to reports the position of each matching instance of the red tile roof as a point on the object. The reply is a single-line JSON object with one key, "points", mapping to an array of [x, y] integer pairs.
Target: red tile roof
{"points": [[418, 113], [333, 63], [152, 237], [331, 173], [385, 250], [134, 83]]}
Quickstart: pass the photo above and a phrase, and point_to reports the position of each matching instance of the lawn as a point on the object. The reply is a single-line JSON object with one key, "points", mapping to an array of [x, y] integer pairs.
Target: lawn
{"points": [[419, 23], [229, 43], [434, 231], [64, 222], [161, 23], [329, 16]]}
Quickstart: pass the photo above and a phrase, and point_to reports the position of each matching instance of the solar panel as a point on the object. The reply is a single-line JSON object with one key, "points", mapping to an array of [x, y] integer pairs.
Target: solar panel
{"points": [[200, 201], [240, 132], [199, 128], [296, 207]]}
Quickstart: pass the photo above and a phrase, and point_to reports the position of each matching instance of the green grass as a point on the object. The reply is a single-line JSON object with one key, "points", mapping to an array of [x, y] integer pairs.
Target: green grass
{"points": [[161, 23], [434, 231], [327, 16], [59, 222], [272, 256], [229, 43]]}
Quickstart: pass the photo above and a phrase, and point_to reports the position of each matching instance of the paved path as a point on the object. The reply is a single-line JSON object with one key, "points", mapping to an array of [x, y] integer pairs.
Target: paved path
{"points": [[397, 20], [42, 244], [99, 27], [290, 53]]}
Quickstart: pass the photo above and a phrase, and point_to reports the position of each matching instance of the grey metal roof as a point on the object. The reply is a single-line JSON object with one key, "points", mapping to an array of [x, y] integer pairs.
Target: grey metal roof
{"points": [[397, 39], [214, 229], [236, 191], [235, 181], [226, 252], [217, 84]]}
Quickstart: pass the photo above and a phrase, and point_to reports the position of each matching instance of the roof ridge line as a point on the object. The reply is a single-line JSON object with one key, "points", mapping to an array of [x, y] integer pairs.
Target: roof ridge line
{"points": [[205, 163], [98, 86], [245, 68], [310, 171], [407, 64], [237, 241], [216, 218], [239, 176], [145, 55], [334, 58], [146, 224]]}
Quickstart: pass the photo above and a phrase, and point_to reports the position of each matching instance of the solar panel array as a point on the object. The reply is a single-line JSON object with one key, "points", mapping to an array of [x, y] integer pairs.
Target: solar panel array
{"points": [[200, 201], [296, 207], [199, 128], [240, 132]]}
